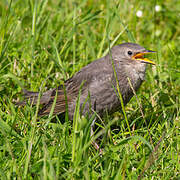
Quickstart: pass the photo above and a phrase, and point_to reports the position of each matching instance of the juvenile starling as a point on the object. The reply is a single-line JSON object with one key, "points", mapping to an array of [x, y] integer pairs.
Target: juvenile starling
{"points": [[99, 81]]}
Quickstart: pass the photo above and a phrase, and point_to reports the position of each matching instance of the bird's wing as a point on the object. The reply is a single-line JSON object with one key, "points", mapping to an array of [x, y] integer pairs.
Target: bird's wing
{"points": [[97, 78], [93, 77], [90, 77], [60, 104]]}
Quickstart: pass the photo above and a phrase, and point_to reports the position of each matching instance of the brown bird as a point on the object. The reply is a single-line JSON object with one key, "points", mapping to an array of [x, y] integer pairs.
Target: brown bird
{"points": [[99, 81]]}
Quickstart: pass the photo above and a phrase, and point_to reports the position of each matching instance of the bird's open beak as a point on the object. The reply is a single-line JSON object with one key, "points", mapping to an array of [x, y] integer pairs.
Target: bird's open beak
{"points": [[140, 57]]}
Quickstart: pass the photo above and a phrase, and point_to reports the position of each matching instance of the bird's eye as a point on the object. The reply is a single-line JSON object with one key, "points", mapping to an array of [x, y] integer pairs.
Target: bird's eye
{"points": [[130, 53]]}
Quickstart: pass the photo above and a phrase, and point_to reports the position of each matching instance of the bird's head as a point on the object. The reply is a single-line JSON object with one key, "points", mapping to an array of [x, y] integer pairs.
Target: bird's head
{"points": [[131, 53]]}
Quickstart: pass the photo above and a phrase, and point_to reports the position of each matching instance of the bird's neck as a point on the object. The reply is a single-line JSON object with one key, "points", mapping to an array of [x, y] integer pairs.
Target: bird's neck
{"points": [[130, 74], [136, 72]]}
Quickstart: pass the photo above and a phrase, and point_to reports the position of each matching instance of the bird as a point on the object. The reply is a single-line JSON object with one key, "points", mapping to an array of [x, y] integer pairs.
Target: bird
{"points": [[124, 67]]}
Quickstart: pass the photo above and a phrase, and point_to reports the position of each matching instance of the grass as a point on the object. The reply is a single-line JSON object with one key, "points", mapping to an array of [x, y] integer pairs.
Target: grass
{"points": [[45, 42]]}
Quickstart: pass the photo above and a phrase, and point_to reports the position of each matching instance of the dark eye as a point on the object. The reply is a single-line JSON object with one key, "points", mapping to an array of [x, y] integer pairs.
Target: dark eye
{"points": [[130, 53]]}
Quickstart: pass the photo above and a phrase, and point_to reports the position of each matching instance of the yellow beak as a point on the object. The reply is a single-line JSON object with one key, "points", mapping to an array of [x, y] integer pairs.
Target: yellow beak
{"points": [[140, 57]]}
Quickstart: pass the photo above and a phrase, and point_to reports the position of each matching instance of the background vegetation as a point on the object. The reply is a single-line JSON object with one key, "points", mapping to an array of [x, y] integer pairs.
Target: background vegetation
{"points": [[42, 43]]}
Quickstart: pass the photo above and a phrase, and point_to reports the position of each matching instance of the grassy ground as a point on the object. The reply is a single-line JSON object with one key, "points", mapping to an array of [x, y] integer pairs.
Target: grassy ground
{"points": [[44, 42]]}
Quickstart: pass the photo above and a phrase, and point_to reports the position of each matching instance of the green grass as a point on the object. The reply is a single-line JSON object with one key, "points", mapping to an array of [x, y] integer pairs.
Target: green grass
{"points": [[45, 42]]}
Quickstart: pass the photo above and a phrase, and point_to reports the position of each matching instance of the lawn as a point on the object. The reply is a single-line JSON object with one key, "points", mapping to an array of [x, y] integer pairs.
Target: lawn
{"points": [[43, 43]]}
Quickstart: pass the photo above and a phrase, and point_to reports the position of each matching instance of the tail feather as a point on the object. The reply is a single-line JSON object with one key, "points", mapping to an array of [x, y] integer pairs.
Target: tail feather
{"points": [[32, 97], [30, 93], [46, 99]]}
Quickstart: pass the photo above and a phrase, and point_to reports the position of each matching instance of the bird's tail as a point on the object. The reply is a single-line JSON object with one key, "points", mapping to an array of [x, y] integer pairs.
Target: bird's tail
{"points": [[47, 100], [32, 97]]}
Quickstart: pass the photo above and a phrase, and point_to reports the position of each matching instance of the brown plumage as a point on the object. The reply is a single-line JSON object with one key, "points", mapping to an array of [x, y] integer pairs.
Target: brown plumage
{"points": [[99, 89]]}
